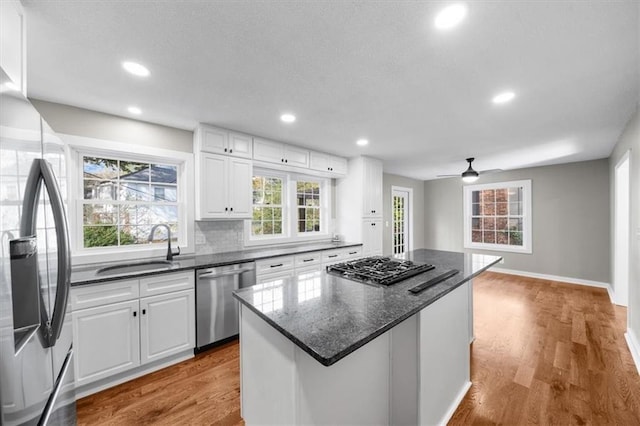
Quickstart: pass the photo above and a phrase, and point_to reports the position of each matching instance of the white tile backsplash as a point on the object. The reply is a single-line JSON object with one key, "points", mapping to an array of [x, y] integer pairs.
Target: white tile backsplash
{"points": [[219, 236]]}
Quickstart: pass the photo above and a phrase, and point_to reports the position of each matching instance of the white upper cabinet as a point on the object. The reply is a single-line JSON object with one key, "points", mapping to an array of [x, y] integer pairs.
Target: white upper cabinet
{"points": [[220, 141], [13, 43], [223, 187], [372, 188], [279, 153], [327, 163]]}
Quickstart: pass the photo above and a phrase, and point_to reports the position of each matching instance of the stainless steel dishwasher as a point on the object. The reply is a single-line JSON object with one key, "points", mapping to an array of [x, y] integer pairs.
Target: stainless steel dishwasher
{"points": [[216, 308]]}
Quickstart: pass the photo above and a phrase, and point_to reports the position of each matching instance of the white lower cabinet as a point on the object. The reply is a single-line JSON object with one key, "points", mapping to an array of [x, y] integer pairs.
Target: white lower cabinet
{"points": [[372, 237], [105, 340], [166, 325], [111, 339]]}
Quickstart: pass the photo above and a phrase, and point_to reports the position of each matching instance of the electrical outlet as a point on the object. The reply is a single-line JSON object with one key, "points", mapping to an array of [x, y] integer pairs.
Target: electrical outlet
{"points": [[200, 239]]}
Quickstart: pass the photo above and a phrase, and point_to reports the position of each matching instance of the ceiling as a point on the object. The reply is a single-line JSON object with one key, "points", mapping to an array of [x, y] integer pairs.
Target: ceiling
{"points": [[378, 70]]}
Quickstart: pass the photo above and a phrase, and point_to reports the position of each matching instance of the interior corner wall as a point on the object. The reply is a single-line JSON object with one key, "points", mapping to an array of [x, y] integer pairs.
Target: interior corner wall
{"points": [[570, 223], [388, 181], [630, 141], [83, 122]]}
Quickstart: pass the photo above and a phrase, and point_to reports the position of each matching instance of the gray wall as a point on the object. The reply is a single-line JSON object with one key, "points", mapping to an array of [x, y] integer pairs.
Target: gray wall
{"points": [[630, 140], [417, 211], [83, 122], [570, 206]]}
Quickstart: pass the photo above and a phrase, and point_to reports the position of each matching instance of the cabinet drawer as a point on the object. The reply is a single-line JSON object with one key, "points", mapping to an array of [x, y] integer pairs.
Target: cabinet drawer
{"points": [[274, 264], [353, 252], [333, 256], [166, 283], [101, 294], [308, 259]]}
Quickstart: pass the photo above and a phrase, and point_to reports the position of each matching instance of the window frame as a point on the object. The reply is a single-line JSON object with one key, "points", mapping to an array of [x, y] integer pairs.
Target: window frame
{"points": [[290, 210], [77, 148], [526, 247]]}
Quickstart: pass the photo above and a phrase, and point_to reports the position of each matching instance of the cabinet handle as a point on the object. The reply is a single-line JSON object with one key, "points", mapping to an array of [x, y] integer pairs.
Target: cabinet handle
{"points": [[231, 209], [373, 224], [333, 255], [307, 260], [231, 150], [144, 312], [225, 150], [286, 161], [282, 160], [226, 209], [353, 252], [135, 314], [276, 266]]}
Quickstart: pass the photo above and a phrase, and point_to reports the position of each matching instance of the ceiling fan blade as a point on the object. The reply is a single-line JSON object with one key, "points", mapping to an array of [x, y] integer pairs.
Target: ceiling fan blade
{"points": [[486, 172], [444, 176]]}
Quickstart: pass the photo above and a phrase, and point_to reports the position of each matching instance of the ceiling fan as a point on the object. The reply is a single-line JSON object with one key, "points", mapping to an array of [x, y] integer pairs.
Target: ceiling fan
{"points": [[471, 175]]}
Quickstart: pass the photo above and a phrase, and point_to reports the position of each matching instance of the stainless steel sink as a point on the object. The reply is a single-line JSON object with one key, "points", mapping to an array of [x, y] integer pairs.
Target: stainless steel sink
{"points": [[127, 268]]}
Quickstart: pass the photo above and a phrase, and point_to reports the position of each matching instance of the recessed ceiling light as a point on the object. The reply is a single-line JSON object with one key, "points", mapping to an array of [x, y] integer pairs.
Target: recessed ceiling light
{"points": [[450, 16], [362, 142], [135, 68], [288, 118], [11, 86], [503, 97], [134, 110]]}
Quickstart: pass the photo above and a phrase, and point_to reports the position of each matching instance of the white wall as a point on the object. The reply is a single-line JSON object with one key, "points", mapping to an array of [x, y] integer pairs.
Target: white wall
{"points": [[630, 140], [83, 122], [570, 229]]}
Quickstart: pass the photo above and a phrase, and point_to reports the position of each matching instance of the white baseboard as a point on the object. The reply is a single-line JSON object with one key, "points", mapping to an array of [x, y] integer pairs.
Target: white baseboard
{"points": [[568, 280], [634, 347], [454, 405]]}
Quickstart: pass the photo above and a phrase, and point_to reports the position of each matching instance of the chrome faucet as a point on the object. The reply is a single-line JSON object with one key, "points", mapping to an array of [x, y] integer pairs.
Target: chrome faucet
{"points": [[170, 252]]}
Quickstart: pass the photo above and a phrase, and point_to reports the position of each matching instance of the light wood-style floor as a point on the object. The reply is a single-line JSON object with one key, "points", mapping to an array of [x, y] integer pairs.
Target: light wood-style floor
{"points": [[545, 353]]}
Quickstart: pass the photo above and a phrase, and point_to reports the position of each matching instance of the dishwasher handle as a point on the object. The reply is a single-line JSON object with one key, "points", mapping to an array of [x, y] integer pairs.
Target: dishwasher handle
{"points": [[224, 274]]}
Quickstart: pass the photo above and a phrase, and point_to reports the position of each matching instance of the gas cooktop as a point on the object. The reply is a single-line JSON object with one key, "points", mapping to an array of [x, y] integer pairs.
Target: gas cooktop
{"points": [[378, 270]]}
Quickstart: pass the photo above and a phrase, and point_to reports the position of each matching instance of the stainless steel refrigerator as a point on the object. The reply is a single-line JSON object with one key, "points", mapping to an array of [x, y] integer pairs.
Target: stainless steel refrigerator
{"points": [[36, 354]]}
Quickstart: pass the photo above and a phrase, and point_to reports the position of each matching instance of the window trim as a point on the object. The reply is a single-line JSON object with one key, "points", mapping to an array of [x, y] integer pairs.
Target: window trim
{"points": [[289, 213], [76, 147], [527, 219]]}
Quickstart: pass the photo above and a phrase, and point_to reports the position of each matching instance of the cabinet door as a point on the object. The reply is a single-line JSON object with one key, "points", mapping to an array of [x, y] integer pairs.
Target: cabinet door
{"points": [[213, 186], [372, 188], [12, 43], [264, 150], [240, 145], [319, 161], [240, 188], [214, 140], [105, 340], [372, 237], [294, 156], [338, 165], [167, 325]]}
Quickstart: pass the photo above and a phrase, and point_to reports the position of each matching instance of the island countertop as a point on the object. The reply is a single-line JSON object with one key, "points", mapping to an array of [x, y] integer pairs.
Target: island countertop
{"points": [[330, 317]]}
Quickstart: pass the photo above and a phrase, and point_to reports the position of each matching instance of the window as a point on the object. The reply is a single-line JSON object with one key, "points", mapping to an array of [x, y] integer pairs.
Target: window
{"points": [[267, 215], [124, 199], [288, 207], [401, 200], [498, 216]]}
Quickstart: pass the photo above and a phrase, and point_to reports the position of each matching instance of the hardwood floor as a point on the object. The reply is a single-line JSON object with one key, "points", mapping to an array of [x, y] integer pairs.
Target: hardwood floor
{"points": [[545, 353]]}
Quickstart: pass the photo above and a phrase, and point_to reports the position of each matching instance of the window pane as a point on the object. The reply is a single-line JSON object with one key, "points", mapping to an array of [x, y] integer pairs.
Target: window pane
{"points": [[476, 210], [100, 236], [256, 228], [502, 224], [515, 238], [161, 173], [502, 237], [134, 191], [100, 168], [164, 214], [135, 214], [515, 194], [97, 214], [488, 208], [165, 193], [489, 237], [100, 189], [476, 223], [476, 236], [502, 195], [502, 209], [135, 171], [515, 225], [488, 196], [515, 208], [489, 223], [475, 196]]}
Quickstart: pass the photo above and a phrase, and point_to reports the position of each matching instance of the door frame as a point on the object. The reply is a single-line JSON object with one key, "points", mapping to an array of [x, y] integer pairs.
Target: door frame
{"points": [[622, 225], [408, 215]]}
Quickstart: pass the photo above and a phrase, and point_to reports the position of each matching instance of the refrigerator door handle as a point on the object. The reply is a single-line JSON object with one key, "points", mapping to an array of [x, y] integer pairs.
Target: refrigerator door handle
{"points": [[41, 173]]}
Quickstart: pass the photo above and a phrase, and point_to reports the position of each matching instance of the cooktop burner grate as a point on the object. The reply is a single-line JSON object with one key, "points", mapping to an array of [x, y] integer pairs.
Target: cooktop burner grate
{"points": [[378, 270]]}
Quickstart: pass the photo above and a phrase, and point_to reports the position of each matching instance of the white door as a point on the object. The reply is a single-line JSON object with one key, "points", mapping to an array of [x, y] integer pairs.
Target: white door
{"points": [[400, 217], [214, 140], [372, 237], [240, 188], [621, 232], [166, 325], [240, 145], [106, 340]]}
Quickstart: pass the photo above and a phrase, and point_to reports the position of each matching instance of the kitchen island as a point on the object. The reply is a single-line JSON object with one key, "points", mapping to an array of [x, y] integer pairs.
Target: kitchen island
{"points": [[322, 349]]}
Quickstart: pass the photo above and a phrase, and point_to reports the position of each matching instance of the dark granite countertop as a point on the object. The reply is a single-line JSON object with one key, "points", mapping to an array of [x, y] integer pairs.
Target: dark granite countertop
{"points": [[329, 317], [88, 274]]}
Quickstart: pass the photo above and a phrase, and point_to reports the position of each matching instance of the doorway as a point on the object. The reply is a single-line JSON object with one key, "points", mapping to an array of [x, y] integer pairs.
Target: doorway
{"points": [[621, 232], [401, 203]]}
